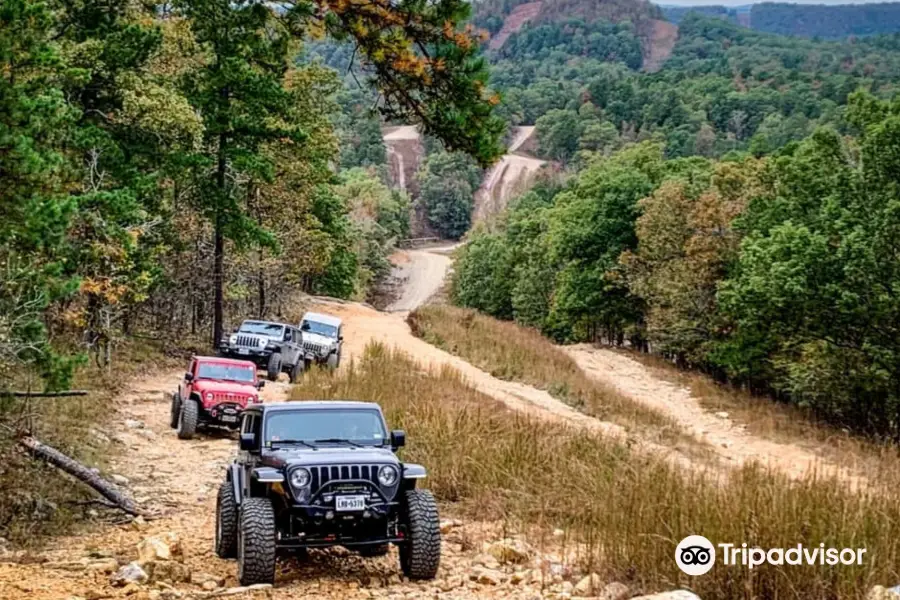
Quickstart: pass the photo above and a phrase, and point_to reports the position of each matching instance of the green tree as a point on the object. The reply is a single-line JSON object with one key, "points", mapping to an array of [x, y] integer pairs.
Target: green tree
{"points": [[447, 185]]}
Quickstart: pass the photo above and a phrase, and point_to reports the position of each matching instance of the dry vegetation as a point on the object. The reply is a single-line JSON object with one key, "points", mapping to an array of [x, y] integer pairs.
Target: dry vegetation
{"points": [[36, 499], [628, 510], [515, 353]]}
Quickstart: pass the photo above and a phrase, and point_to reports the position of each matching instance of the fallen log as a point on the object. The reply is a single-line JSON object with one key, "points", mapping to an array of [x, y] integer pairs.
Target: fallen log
{"points": [[63, 394], [80, 472]]}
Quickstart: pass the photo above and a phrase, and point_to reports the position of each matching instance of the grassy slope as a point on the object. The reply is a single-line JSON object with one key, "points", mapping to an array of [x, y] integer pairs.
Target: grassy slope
{"points": [[630, 510], [514, 353]]}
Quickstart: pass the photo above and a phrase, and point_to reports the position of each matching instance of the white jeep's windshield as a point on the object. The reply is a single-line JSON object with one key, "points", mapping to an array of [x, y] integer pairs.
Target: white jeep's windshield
{"points": [[226, 372], [358, 426], [319, 328], [273, 330]]}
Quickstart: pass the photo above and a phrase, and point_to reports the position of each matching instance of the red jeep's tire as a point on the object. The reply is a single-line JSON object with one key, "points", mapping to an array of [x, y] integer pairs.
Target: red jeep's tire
{"points": [[226, 522], [420, 554], [187, 420], [273, 369], [256, 542], [176, 409]]}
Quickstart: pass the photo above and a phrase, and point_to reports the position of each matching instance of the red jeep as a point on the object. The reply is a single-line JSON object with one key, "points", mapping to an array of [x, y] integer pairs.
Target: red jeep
{"points": [[214, 392]]}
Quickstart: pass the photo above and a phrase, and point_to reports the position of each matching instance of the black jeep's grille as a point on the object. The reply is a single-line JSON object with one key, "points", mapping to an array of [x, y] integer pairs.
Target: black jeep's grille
{"points": [[322, 475]]}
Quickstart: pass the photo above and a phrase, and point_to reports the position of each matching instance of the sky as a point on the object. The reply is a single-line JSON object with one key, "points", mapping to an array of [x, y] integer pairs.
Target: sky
{"points": [[745, 2]]}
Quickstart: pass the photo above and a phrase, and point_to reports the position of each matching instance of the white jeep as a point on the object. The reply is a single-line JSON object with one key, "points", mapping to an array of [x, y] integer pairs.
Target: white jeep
{"points": [[323, 337]]}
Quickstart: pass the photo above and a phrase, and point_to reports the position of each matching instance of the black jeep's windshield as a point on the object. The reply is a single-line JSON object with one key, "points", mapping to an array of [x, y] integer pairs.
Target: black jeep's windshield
{"points": [[273, 330], [319, 328], [226, 372], [325, 426]]}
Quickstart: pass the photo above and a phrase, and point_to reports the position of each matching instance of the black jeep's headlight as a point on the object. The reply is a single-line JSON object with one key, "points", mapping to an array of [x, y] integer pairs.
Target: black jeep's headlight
{"points": [[300, 478], [387, 475]]}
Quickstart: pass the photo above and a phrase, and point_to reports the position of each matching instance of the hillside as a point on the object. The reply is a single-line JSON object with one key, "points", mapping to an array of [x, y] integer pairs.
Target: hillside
{"points": [[802, 20]]}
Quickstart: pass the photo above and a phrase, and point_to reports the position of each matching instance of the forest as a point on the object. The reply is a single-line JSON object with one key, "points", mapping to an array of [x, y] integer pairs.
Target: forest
{"points": [[172, 167]]}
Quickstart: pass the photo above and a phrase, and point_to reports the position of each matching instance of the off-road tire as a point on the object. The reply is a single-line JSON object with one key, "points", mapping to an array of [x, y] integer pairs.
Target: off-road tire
{"points": [[187, 419], [273, 369], [296, 371], [420, 554], [332, 361], [226, 522], [176, 409], [256, 542], [373, 550]]}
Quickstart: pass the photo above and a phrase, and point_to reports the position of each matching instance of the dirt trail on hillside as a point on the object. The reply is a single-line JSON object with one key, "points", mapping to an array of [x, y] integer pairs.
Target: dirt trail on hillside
{"points": [[730, 441], [422, 272]]}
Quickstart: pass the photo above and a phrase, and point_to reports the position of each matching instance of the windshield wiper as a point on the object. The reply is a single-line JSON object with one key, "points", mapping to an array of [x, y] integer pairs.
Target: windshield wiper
{"points": [[307, 444], [339, 441]]}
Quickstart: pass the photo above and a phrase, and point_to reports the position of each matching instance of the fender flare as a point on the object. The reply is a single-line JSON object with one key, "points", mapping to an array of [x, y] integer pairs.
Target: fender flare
{"points": [[236, 478], [414, 471]]}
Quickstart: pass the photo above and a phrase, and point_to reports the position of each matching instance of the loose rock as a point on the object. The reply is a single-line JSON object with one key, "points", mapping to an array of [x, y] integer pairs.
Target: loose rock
{"points": [[614, 591], [162, 547], [487, 576], [588, 586], [130, 573], [881, 593], [510, 551], [118, 479], [134, 424]]}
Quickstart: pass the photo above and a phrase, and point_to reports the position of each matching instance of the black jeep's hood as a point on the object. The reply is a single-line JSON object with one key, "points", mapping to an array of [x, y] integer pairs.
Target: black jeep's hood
{"points": [[325, 455]]}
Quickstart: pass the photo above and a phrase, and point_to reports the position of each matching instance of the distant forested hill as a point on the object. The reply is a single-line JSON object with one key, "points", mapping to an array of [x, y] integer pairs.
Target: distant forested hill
{"points": [[803, 20], [826, 21]]}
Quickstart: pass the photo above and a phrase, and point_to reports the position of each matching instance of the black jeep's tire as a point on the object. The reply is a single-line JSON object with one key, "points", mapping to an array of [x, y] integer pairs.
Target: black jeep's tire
{"points": [[297, 371], [256, 542], [420, 554], [187, 419], [274, 367], [373, 550], [226, 522], [332, 361], [176, 409]]}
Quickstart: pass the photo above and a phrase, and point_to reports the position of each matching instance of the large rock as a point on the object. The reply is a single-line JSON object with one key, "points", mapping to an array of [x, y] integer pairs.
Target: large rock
{"points": [[130, 573], [674, 595], [510, 551], [487, 576], [166, 546], [102, 565]]}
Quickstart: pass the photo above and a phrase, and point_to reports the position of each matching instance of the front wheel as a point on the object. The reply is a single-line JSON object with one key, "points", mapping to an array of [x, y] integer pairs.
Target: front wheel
{"points": [[256, 542], [420, 554], [226, 522], [274, 367], [175, 411], [297, 371], [333, 361], [187, 420]]}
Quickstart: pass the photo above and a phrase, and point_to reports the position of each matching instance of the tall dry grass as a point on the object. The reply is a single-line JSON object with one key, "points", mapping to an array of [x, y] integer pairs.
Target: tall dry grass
{"points": [[512, 352], [630, 510]]}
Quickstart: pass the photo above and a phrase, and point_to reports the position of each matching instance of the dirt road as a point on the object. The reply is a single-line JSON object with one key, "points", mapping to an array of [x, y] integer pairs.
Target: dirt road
{"points": [[422, 272], [730, 441]]}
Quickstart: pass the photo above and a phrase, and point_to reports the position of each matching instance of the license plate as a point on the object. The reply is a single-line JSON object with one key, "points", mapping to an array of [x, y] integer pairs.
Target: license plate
{"points": [[350, 503], [229, 418], [243, 351]]}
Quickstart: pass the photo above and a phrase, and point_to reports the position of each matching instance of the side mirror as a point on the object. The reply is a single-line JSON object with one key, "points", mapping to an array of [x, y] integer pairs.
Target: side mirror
{"points": [[304, 327], [248, 442], [235, 329], [260, 384], [188, 377], [340, 338], [398, 438]]}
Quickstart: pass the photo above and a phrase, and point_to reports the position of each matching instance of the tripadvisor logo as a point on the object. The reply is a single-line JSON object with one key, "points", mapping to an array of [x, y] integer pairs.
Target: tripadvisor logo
{"points": [[696, 555]]}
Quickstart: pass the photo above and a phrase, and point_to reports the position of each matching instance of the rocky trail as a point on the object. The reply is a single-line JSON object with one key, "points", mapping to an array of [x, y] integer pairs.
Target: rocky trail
{"points": [[172, 557]]}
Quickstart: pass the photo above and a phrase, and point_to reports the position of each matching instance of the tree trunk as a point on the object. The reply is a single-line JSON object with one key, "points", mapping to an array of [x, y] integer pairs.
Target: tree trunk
{"points": [[219, 260], [261, 276], [80, 472]]}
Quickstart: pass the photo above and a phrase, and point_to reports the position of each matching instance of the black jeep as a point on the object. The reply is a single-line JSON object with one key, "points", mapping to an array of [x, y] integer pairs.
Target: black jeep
{"points": [[275, 347], [319, 474]]}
